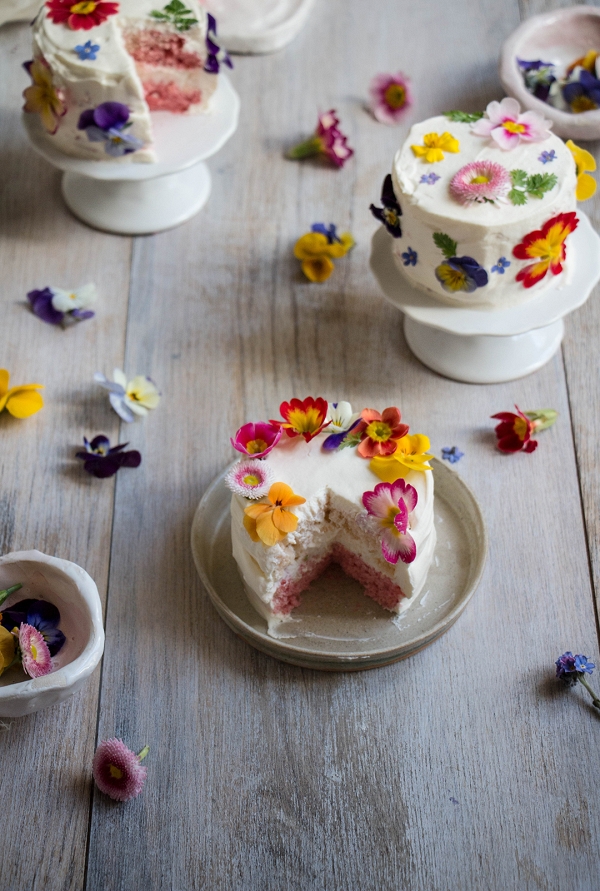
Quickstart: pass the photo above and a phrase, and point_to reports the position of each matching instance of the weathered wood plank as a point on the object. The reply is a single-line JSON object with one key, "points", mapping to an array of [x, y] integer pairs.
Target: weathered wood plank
{"points": [[46, 502]]}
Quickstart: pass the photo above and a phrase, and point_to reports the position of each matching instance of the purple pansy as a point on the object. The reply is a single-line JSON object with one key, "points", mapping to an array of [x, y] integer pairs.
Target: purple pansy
{"points": [[41, 305], [538, 77], [582, 94], [102, 461], [216, 56], [106, 123], [391, 211], [39, 614], [56, 306], [429, 179], [461, 274], [330, 232]]}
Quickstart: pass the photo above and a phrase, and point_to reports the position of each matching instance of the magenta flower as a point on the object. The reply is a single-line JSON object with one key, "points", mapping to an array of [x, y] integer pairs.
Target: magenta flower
{"points": [[35, 654], [505, 124], [390, 97], [257, 440], [118, 771], [250, 478], [327, 140], [389, 505], [480, 181]]}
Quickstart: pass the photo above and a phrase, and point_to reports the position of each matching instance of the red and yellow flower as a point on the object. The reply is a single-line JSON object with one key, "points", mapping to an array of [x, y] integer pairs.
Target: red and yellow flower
{"points": [[270, 522], [303, 418], [547, 247], [411, 454], [514, 432], [42, 97], [380, 432], [79, 16]]}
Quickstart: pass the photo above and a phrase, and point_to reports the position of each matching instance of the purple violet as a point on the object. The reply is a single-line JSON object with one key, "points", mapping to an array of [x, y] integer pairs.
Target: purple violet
{"points": [[216, 56], [106, 123], [391, 211], [103, 461], [40, 614]]}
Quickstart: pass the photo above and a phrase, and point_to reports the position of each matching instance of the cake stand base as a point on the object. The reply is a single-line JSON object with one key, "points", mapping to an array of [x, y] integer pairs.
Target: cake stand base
{"points": [[483, 359], [137, 207]]}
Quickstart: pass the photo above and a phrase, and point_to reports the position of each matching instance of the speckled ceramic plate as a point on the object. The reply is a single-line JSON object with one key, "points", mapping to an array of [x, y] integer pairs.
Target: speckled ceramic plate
{"points": [[337, 628]]}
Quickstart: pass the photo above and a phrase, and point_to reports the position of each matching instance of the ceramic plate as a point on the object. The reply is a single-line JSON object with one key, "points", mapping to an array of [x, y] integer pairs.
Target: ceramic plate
{"points": [[336, 627]]}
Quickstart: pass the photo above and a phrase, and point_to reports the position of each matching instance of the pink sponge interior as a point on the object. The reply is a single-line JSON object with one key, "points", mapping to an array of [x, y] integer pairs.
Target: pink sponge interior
{"points": [[169, 97], [159, 48]]}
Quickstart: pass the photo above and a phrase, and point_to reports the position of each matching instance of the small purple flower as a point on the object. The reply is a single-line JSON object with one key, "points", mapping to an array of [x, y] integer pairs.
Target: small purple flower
{"points": [[409, 257], [429, 179], [501, 265], [58, 307], [330, 232], [106, 123], [41, 305], [547, 157], [570, 667], [391, 211], [583, 94], [538, 76], [216, 56], [87, 51], [41, 615], [452, 454], [102, 461]]}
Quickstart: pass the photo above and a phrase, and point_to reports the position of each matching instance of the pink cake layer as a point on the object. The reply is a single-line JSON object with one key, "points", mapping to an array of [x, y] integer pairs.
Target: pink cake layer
{"points": [[162, 96], [158, 48], [377, 586]]}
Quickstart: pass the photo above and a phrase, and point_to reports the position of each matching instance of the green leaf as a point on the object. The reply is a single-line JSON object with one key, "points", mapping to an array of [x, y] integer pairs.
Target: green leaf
{"points": [[175, 6], [185, 24], [517, 196], [159, 15], [464, 117], [352, 440], [519, 178], [446, 244], [540, 183]]}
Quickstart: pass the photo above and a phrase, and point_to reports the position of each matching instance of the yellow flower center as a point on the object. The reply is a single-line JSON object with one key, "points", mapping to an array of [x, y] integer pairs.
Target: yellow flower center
{"points": [[33, 651], [251, 479], [582, 103], [72, 296], [84, 8], [480, 179], [378, 431], [254, 446], [395, 96], [513, 127], [390, 216], [115, 773], [520, 428]]}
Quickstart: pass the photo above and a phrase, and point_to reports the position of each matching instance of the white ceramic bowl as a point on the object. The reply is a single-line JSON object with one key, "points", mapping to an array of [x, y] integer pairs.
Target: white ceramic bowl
{"points": [[71, 589], [560, 36]]}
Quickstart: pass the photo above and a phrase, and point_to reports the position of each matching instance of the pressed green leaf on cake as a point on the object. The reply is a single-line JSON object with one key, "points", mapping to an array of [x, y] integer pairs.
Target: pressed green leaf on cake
{"points": [[446, 244], [463, 117]]}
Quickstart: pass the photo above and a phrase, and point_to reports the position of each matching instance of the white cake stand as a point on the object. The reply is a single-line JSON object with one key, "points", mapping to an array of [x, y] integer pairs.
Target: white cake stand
{"points": [[259, 26], [481, 346], [132, 198]]}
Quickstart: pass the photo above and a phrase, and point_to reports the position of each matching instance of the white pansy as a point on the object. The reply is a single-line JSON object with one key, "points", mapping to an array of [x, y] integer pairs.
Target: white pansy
{"points": [[340, 416], [66, 301], [128, 399]]}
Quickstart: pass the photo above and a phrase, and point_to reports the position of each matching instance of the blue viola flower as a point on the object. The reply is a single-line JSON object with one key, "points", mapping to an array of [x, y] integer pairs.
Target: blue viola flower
{"points": [[330, 232], [429, 179], [409, 257], [501, 265], [41, 615], [87, 51], [461, 274], [583, 94], [546, 157], [216, 56], [102, 461], [391, 211], [452, 454], [570, 667], [107, 123]]}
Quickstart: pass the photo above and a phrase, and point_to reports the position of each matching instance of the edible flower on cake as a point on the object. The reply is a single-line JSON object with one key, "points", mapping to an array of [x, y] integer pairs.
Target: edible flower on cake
{"points": [[305, 418], [584, 162], [380, 433], [251, 478], [271, 522], [389, 505], [42, 97], [85, 14], [258, 439], [547, 247], [341, 420], [411, 454], [434, 146], [504, 123]]}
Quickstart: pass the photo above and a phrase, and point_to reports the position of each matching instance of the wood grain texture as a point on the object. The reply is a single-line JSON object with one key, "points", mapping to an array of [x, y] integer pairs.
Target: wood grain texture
{"points": [[465, 767]]}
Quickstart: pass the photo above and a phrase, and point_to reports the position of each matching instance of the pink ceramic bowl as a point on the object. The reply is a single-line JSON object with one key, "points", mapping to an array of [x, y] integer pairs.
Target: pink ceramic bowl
{"points": [[561, 37], [71, 589]]}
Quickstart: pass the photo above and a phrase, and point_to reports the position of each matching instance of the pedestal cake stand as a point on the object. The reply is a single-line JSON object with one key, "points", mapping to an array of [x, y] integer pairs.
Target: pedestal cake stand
{"points": [[259, 26], [135, 199], [481, 346]]}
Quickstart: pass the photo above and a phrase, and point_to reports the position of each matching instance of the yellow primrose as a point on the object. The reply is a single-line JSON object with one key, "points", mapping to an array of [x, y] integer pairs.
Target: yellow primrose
{"points": [[42, 97], [434, 146], [586, 184], [7, 648], [20, 402], [410, 454]]}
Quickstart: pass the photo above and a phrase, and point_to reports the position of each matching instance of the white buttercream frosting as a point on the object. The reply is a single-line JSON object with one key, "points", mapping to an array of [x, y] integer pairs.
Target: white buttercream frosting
{"points": [[486, 232]]}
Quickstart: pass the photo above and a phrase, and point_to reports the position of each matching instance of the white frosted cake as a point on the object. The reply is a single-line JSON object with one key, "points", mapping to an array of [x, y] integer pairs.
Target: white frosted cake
{"points": [[481, 207], [100, 68], [324, 485]]}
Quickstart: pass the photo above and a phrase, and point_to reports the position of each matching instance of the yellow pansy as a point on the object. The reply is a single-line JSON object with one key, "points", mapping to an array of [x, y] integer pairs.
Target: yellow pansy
{"points": [[7, 648], [410, 454], [586, 184], [434, 146], [316, 251], [21, 402], [270, 522], [42, 97]]}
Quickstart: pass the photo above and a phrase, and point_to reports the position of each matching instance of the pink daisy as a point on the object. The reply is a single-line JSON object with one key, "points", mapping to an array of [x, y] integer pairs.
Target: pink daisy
{"points": [[505, 124], [389, 505], [390, 97], [480, 181], [34, 651], [117, 770], [250, 479]]}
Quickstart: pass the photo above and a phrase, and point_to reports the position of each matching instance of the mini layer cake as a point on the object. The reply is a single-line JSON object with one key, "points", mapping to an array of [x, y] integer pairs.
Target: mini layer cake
{"points": [[332, 506], [103, 66], [481, 206]]}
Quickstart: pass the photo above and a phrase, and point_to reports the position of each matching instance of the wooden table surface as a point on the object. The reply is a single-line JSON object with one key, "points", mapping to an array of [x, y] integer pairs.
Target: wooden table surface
{"points": [[465, 767]]}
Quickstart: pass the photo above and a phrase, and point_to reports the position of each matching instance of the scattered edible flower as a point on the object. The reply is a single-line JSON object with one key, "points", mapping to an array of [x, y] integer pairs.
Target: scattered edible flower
{"points": [[342, 420], [85, 14], [572, 669], [118, 771], [390, 97], [216, 55], [480, 181], [22, 401], [538, 76], [317, 248], [434, 146], [257, 440], [547, 157], [380, 432], [584, 161], [327, 140], [515, 432], [305, 418], [176, 14], [389, 505], [452, 454], [547, 247], [107, 123], [391, 211], [88, 51], [136, 397], [409, 257], [42, 97], [501, 266], [41, 615], [102, 461], [35, 655], [430, 179], [250, 478], [505, 124], [411, 454], [457, 273], [57, 307], [270, 523]]}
